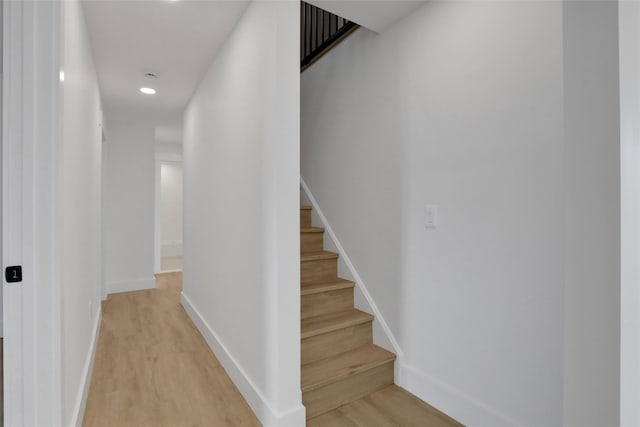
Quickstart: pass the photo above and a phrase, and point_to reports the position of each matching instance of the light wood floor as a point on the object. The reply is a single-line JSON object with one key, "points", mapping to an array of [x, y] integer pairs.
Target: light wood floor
{"points": [[153, 368], [389, 407]]}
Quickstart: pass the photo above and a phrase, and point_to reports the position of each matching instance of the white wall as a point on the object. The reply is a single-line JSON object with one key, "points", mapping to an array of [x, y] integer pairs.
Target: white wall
{"points": [[592, 214], [129, 200], [130, 191], [629, 16], [461, 105], [241, 210], [79, 209], [171, 209]]}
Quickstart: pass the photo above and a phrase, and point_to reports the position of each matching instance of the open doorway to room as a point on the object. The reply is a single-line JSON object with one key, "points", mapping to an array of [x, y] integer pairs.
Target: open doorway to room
{"points": [[169, 215]]}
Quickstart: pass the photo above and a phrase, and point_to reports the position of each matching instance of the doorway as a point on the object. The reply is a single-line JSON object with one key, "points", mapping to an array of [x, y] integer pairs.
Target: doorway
{"points": [[169, 216]]}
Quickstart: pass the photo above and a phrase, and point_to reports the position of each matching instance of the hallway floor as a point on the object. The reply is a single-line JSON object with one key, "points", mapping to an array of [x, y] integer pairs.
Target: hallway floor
{"points": [[389, 407], [153, 368]]}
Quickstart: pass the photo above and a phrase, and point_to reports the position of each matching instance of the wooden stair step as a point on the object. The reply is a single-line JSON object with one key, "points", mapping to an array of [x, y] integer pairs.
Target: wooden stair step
{"points": [[326, 297], [316, 256], [335, 381], [311, 230], [318, 266], [318, 374], [334, 333], [331, 285], [305, 216], [311, 239], [325, 323]]}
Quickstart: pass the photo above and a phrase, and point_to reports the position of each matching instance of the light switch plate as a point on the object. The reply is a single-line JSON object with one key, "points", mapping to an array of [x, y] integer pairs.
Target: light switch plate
{"points": [[431, 216]]}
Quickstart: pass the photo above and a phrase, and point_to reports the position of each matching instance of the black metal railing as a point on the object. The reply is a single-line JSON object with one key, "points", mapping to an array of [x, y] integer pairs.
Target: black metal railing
{"points": [[319, 31]]}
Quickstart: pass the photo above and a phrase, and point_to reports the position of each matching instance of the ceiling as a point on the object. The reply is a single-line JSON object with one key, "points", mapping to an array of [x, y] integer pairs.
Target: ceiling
{"points": [[176, 40], [376, 15]]}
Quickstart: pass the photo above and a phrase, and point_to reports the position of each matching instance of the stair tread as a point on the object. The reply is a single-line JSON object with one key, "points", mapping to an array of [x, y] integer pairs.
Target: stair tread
{"points": [[329, 322], [311, 229], [305, 208], [322, 372], [312, 256], [326, 286]]}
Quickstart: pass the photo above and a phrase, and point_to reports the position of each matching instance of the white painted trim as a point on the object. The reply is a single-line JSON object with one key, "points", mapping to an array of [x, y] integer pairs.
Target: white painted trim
{"points": [[629, 38], [81, 401], [160, 157], [451, 401], [378, 317], [30, 140], [103, 208], [12, 114], [131, 285], [265, 413], [1, 102]]}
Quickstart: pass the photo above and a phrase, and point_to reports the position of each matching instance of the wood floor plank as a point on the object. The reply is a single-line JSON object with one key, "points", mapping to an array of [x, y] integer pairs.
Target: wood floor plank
{"points": [[389, 407], [1, 382], [407, 410], [153, 368], [334, 418], [366, 414]]}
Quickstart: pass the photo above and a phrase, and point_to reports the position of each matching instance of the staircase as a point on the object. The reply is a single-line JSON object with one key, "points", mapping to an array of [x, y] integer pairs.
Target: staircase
{"points": [[340, 363]]}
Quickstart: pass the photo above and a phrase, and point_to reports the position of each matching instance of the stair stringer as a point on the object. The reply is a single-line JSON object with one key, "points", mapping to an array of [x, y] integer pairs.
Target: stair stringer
{"points": [[382, 335]]}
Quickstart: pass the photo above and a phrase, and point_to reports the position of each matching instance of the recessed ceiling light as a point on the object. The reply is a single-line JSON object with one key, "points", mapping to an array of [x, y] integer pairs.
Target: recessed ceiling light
{"points": [[151, 76], [61, 75], [147, 90]]}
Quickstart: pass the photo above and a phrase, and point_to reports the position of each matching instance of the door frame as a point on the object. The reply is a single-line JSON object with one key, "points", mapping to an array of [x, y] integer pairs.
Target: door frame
{"points": [[160, 157], [30, 134], [629, 38]]}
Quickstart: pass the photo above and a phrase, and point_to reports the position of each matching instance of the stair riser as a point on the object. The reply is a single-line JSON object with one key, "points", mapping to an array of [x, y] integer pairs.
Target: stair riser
{"points": [[326, 302], [319, 270], [305, 218], [311, 242], [351, 388], [332, 343]]}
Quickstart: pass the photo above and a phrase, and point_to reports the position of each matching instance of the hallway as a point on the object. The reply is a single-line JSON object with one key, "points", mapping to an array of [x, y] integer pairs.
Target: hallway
{"points": [[153, 368]]}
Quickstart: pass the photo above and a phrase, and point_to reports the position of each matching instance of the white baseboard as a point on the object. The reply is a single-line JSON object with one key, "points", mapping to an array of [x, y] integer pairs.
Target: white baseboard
{"points": [[83, 392], [452, 402], [265, 413], [378, 317], [131, 285]]}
